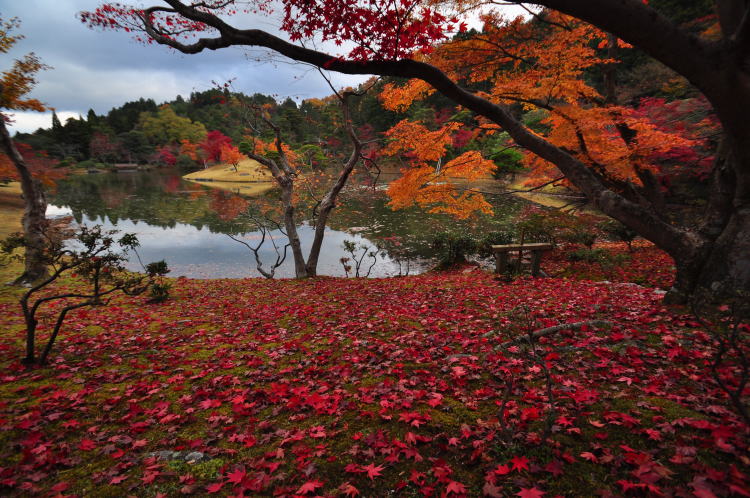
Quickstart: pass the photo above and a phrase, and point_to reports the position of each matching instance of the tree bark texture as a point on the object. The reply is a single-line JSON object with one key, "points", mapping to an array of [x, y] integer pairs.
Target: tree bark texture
{"points": [[35, 211]]}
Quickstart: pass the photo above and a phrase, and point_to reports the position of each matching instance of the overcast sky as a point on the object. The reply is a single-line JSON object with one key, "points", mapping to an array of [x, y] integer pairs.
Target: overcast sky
{"points": [[99, 70]]}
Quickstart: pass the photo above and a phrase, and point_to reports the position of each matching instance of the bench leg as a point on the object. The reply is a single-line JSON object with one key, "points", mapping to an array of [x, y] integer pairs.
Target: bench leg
{"points": [[501, 262], [536, 257]]}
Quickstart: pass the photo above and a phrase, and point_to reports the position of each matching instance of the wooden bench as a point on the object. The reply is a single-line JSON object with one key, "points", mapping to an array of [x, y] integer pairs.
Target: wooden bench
{"points": [[536, 249]]}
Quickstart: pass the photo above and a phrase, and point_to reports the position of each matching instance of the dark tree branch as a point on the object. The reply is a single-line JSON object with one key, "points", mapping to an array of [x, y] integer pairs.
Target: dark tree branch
{"points": [[641, 25]]}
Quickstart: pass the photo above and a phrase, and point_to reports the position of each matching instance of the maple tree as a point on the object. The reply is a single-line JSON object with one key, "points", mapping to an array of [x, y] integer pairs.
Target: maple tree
{"points": [[194, 151], [283, 163], [541, 67], [15, 84], [213, 143], [103, 148], [231, 155], [99, 260], [40, 165], [389, 37], [165, 155]]}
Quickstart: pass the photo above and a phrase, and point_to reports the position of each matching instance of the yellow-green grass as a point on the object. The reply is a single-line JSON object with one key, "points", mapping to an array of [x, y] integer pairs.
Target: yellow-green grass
{"points": [[11, 208], [248, 170]]}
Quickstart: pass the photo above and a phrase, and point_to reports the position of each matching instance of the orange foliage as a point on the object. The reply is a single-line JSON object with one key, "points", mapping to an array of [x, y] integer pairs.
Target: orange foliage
{"points": [[18, 81], [231, 155], [541, 67], [190, 149], [418, 142], [427, 184], [262, 148], [399, 98]]}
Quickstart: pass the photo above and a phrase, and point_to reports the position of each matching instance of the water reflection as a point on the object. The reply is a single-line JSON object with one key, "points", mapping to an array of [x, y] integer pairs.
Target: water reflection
{"points": [[186, 223]]}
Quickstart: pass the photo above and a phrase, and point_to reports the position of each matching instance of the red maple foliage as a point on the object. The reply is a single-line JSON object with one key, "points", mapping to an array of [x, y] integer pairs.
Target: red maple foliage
{"points": [[39, 163], [213, 143]]}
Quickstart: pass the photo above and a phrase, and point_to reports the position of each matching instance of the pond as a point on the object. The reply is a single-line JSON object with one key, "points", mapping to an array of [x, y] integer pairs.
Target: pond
{"points": [[188, 224]]}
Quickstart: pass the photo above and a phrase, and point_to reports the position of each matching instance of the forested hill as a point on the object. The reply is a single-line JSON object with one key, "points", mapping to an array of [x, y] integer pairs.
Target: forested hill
{"points": [[145, 131], [137, 131]]}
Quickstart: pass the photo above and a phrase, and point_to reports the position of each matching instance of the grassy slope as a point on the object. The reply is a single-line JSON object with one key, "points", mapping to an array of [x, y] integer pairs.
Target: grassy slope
{"points": [[310, 382], [11, 208], [248, 170]]}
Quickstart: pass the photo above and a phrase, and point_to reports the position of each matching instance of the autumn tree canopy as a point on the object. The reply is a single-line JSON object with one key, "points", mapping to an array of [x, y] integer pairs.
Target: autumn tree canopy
{"points": [[396, 39]]}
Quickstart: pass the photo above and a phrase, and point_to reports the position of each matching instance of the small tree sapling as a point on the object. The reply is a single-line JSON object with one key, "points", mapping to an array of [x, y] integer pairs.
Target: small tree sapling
{"points": [[97, 258]]}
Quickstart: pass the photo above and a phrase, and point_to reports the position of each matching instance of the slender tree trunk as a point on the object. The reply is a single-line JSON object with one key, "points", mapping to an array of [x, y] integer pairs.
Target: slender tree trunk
{"points": [[325, 208], [34, 216], [329, 201], [287, 191]]}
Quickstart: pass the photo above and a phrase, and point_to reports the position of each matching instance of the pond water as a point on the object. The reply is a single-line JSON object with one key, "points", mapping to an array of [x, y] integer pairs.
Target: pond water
{"points": [[187, 224]]}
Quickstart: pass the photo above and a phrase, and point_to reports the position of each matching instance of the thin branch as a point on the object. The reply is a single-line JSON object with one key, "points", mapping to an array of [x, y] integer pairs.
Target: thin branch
{"points": [[551, 330]]}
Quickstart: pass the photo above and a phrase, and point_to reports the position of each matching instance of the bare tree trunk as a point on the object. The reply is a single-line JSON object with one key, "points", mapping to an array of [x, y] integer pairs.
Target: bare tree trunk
{"points": [[285, 176], [329, 200], [287, 191], [34, 215]]}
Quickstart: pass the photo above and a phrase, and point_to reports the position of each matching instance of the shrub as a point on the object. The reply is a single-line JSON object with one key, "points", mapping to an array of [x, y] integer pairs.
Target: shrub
{"points": [[87, 164], [588, 255], [159, 290], [604, 258], [580, 235], [618, 231], [357, 258], [453, 248], [94, 256], [541, 226]]}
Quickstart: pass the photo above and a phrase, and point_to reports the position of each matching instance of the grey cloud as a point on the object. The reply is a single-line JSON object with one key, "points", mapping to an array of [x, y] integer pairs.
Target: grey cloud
{"points": [[101, 70]]}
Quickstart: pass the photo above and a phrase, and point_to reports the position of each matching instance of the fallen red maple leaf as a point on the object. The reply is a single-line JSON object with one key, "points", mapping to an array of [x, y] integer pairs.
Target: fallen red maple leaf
{"points": [[530, 493], [215, 487], [520, 463], [348, 490], [237, 476], [309, 487], [456, 488], [502, 470], [372, 470], [117, 479], [86, 445]]}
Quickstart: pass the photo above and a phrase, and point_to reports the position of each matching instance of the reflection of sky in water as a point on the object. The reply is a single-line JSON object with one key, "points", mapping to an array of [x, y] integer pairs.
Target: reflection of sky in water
{"points": [[199, 253]]}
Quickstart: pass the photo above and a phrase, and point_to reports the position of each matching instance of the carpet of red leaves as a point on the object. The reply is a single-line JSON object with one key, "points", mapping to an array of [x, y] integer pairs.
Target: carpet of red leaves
{"points": [[645, 265], [336, 387]]}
